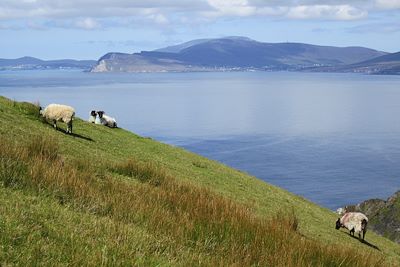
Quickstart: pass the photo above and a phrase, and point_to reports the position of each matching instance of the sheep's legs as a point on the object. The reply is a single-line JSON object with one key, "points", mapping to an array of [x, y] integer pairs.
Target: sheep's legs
{"points": [[361, 234], [69, 127], [352, 232]]}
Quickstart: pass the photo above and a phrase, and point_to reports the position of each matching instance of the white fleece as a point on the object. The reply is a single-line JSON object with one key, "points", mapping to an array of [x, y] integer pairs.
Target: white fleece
{"points": [[59, 113], [352, 220]]}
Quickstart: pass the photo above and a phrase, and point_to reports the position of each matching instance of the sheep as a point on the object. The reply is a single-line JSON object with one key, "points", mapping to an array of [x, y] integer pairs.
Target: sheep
{"points": [[355, 222], [93, 116], [106, 120], [56, 112]]}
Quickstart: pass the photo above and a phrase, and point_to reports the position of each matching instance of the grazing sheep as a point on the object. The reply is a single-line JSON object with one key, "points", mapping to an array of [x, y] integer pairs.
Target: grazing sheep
{"points": [[56, 112], [93, 116], [355, 222], [106, 120]]}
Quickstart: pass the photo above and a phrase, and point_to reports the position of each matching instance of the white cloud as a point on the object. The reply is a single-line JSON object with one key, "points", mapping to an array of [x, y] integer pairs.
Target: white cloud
{"points": [[158, 18], [11, 9], [388, 4], [88, 14], [341, 12], [306, 9], [231, 8], [87, 24]]}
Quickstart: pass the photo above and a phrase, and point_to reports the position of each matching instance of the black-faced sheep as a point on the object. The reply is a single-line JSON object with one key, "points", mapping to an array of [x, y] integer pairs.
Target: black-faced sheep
{"points": [[56, 112], [93, 116], [106, 120], [355, 222]]}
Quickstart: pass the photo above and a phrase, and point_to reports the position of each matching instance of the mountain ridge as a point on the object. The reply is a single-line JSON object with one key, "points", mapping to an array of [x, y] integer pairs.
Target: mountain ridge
{"points": [[235, 53], [28, 62], [387, 64]]}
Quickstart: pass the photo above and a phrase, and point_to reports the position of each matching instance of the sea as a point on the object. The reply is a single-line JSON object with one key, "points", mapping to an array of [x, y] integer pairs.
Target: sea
{"points": [[331, 138]]}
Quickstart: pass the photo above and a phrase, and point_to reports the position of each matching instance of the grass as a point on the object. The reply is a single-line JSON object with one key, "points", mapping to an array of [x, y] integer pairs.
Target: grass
{"points": [[109, 197]]}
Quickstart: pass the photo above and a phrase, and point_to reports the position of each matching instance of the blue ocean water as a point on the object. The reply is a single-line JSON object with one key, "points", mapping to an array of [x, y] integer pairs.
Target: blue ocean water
{"points": [[332, 138]]}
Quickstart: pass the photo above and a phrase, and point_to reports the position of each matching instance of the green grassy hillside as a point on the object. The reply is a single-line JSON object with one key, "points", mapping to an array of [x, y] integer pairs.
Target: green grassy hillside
{"points": [[109, 197]]}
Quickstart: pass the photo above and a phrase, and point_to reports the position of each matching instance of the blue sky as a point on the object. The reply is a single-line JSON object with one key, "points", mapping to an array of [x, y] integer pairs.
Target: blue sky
{"points": [[87, 29]]}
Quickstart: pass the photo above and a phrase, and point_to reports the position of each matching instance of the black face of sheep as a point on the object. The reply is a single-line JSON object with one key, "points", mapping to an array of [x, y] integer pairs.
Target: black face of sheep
{"points": [[338, 224], [93, 113], [100, 113], [364, 224]]}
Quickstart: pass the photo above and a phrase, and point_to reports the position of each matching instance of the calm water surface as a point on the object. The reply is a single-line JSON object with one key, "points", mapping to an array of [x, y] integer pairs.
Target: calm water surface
{"points": [[332, 138]]}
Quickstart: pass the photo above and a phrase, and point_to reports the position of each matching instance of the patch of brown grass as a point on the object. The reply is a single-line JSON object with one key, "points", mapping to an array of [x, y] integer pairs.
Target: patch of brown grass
{"points": [[43, 148], [143, 171]]}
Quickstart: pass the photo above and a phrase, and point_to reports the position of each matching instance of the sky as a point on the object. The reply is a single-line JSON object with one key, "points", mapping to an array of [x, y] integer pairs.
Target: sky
{"points": [[87, 29]]}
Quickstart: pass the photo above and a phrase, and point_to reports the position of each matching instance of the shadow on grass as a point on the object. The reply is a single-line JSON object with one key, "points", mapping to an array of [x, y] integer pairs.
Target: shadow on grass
{"points": [[364, 242], [369, 244], [81, 136], [75, 135]]}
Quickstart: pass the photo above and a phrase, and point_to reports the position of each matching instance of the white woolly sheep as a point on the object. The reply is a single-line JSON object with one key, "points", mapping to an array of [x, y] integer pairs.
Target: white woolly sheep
{"points": [[93, 116], [355, 222], [56, 112], [106, 120]]}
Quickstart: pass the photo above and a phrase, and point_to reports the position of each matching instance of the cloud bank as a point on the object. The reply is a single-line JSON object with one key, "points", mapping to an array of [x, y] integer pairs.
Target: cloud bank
{"points": [[88, 14]]}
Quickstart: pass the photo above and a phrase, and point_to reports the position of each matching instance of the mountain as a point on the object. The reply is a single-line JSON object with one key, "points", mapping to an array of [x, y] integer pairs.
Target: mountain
{"points": [[35, 63], [20, 61], [386, 64], [389, 58], [234, 53], [120, 62], [180, 47], [384, 215], [103, 196]]}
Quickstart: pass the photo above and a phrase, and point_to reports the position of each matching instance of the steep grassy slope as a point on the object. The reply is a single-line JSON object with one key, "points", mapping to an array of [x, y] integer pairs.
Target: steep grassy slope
{"points": [[107, 196]]}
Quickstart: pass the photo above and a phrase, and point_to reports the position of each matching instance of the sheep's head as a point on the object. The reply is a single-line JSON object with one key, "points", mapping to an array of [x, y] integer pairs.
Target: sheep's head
{"points": [[40, 110], [93, 113], [338, 224], [100, 113], [364, 223]]}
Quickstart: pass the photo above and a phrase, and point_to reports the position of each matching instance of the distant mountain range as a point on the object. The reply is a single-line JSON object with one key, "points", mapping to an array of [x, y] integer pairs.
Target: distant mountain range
{"points": [[229, 54], [24, 63], [386, 64], [241, 54]]}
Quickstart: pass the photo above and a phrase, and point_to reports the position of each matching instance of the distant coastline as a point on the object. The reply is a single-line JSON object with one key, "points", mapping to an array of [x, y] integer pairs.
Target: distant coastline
{"points": [[230, 54], [32, 63], [244, 54]]}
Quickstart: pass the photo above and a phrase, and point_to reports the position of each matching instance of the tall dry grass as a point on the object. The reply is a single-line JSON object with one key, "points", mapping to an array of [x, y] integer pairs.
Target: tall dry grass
{"points": [[143, 171], [217, 230]]}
